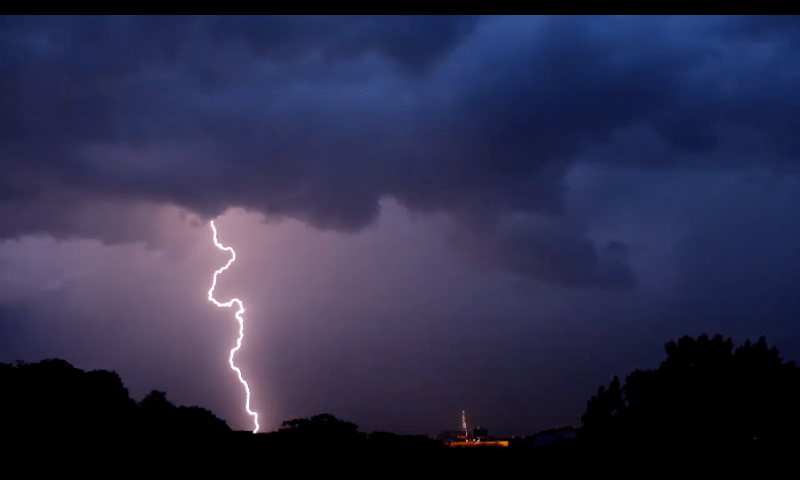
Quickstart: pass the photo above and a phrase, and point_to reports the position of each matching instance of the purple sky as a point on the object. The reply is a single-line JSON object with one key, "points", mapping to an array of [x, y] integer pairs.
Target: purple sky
{"points": [[430, 214]]}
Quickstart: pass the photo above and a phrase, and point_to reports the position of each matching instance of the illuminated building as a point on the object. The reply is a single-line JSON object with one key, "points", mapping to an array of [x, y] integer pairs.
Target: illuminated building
{"points": [[465, 439]]}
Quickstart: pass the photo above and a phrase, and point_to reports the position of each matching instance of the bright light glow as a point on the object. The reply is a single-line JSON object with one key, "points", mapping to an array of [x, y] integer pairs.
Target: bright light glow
{"points": [[239, 313]]}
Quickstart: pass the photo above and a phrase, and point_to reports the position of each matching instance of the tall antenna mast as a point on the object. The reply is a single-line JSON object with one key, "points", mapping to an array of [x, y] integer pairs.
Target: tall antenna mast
{"points": [[464, 423]]}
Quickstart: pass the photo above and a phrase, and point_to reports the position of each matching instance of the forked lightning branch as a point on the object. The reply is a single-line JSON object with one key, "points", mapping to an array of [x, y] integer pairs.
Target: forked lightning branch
{"points": [[239, 313]]}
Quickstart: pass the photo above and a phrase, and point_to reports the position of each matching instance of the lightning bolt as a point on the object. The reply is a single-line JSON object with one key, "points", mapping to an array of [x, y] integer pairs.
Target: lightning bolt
{"points": [[239, 313]]}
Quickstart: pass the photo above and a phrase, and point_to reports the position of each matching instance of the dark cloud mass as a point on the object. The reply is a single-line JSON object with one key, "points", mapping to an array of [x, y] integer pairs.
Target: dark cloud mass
{"points": [[480, 117]]}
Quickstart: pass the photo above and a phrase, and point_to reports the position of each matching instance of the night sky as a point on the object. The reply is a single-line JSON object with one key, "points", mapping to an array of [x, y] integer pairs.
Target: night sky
{"points": [[430, 214]]}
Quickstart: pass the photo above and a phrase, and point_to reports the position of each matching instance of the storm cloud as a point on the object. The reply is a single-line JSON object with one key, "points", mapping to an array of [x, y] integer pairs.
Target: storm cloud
{"points": [[317, 118]]}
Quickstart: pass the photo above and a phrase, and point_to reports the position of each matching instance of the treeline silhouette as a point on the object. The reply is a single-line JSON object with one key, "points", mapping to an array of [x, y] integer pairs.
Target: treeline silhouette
{"points": [[705, 396], [53, 407]]}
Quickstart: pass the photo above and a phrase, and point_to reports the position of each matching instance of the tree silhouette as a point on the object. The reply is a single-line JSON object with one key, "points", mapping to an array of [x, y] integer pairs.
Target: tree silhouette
{"points": [[52, 406], [323, 428], [703, 392], [603, 408], [190, 426]]}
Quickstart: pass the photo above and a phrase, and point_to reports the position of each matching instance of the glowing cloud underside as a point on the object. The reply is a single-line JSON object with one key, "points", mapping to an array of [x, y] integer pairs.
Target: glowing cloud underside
{"points": [[230, 303]]}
